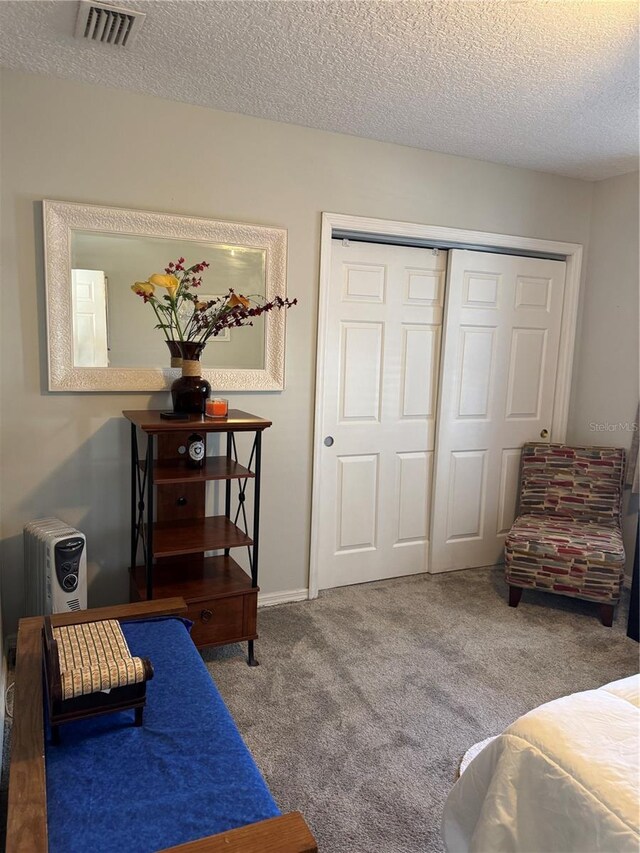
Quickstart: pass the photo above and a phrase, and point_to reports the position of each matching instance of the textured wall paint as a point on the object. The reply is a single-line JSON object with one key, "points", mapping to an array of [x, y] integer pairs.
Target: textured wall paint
{"points": [[68, 454], [605, 387]]}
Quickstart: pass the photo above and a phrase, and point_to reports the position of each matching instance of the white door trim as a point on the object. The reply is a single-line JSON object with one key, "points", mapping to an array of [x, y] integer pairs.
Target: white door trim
{"points": [[366, 225]]}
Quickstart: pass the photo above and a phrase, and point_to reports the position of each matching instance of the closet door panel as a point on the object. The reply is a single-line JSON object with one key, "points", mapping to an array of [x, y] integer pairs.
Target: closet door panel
{"points": [[381, 368], [501, 338]]}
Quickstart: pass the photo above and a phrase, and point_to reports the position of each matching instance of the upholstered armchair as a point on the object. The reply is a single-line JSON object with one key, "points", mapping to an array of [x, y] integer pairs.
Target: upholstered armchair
{"points": [[567, 538]]}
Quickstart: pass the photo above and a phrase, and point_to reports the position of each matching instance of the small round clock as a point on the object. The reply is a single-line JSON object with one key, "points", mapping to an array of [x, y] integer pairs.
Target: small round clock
{"points": [[195, 450]]}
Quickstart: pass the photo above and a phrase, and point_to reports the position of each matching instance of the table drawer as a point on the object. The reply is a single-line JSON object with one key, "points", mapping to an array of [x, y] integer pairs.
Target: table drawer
{"points": [[218, 620]]}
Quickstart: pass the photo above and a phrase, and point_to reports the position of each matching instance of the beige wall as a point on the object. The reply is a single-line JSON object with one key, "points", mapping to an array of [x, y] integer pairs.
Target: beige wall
{"points": [[68, 454], [605, 387]]}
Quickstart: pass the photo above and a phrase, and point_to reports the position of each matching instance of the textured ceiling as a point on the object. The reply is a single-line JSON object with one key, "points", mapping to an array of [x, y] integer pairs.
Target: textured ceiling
{"points": [[538, 84]]}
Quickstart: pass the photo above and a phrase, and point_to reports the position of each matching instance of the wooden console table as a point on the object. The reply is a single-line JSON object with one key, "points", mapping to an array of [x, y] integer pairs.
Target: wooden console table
{"points": [[169, 524]]}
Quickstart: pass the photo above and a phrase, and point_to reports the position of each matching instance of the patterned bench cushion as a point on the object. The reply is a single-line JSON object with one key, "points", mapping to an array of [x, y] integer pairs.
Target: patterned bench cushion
{"points": [[95, 656], [574, 558]]}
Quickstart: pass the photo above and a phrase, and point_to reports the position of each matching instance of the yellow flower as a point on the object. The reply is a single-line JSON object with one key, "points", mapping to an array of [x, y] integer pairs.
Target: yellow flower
{"points": [[169, 281], [237, 299], [143, 288]]}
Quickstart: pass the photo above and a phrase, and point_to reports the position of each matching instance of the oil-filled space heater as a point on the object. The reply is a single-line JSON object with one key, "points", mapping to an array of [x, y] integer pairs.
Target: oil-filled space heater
{"points": [[55, 561]]}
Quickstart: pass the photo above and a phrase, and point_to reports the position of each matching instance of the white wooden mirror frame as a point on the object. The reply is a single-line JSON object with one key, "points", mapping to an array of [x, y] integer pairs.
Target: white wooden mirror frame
{"points": [[61, 218]]}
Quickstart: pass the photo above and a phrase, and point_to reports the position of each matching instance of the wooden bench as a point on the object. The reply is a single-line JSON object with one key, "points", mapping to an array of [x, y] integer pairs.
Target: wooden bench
{"points": [[27, 806]]}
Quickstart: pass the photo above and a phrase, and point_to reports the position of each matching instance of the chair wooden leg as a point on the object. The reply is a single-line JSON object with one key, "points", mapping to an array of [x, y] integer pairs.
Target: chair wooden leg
{"points": [[606, 614], [515, 594], [139, 713]]}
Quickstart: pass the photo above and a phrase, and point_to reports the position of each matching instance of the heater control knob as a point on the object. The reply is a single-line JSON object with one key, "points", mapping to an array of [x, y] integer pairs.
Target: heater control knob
{"points": [[70, 582]]}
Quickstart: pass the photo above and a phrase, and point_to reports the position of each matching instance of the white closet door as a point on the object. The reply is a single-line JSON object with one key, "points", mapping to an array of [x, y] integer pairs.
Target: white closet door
{"points": [[502, 333], [382, 351]]}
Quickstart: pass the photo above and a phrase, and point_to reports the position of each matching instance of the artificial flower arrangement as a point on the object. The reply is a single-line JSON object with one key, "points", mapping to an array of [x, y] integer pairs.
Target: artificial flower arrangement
{"points": [[184, 318]]}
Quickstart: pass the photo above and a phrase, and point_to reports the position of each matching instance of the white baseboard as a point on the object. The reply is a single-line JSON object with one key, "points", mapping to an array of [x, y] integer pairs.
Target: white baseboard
{"points": [[267, 599]]}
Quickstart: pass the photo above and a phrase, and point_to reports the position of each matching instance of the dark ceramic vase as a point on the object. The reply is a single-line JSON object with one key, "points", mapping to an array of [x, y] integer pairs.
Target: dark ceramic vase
{"points": [[176, 353], [190, 391]]}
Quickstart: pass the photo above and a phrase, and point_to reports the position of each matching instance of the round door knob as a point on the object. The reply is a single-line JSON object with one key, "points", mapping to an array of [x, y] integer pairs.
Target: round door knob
{"points": [[544, 433], [205, 615], [328, 441]]}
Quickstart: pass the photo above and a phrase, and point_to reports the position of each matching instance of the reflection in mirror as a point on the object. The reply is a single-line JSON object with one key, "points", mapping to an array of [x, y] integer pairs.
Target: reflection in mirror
{"points": [[90, 322], [113, 328]]}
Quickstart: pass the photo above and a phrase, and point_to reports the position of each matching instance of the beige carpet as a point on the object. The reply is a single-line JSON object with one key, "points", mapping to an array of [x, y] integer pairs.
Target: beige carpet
{"points": [[367, 698]]}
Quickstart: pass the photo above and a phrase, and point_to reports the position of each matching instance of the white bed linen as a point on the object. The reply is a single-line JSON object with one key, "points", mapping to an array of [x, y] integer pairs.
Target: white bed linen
{"points": [[563, 778]]}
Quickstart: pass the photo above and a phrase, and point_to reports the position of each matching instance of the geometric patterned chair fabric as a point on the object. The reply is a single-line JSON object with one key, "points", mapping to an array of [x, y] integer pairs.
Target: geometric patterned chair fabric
{"points": [[567, 538], [89, 670]]}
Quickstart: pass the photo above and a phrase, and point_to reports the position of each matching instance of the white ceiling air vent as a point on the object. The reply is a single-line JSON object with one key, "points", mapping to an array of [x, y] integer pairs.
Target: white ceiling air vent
{"points": [[105, 24]]}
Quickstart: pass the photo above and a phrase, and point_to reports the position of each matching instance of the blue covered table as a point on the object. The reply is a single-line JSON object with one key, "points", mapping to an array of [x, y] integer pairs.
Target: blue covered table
{"points": [[186, 774]]}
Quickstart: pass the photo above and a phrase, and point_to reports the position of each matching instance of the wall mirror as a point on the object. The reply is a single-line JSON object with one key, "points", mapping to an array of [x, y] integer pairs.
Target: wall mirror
{"points": [[101, 336]]}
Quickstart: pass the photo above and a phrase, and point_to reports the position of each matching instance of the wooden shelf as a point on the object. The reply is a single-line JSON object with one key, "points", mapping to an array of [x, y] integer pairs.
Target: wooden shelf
{"points": [[197, 580], [215, 468], [237, 421], [221, 600], [195, 535]]}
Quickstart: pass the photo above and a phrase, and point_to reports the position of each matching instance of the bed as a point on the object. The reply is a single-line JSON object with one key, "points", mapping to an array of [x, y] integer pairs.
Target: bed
{"points": [[184, 781], [563, 777]]}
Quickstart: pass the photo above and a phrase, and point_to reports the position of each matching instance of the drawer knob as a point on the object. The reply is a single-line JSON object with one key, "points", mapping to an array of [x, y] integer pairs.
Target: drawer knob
{"points": [[205, 615]]}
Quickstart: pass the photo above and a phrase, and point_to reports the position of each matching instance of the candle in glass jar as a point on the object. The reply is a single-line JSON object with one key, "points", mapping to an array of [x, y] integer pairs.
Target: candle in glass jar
{"points": [[217, 407]]}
